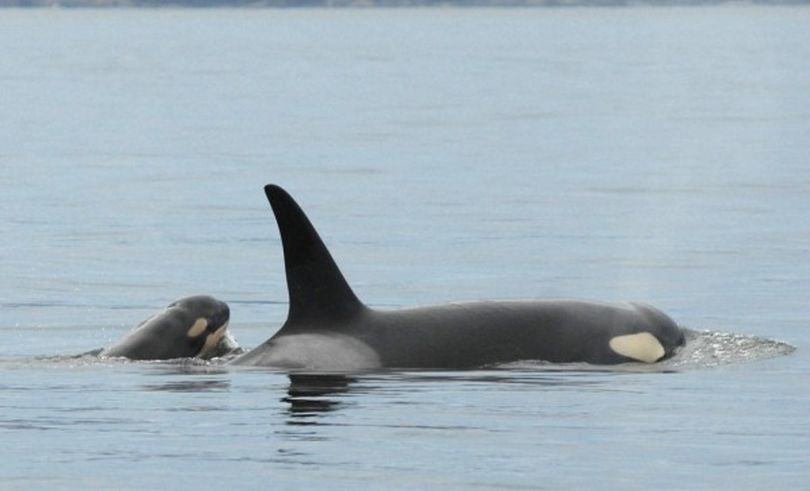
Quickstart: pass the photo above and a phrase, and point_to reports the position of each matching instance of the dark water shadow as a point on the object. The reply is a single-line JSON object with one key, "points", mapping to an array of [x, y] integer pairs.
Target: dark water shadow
{"points": [[310, 395], [188, 376], [189, 386]]}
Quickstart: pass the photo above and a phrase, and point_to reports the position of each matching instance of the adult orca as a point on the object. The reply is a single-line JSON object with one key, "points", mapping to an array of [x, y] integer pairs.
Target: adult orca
{"points": [[189, 327], [329, 328]]}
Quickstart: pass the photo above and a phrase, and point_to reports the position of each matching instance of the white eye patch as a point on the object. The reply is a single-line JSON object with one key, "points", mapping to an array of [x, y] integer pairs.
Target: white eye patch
{"points": [[642, 347], [197, 328]]}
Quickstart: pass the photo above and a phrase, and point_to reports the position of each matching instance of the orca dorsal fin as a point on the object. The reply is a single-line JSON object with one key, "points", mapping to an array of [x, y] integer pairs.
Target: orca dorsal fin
{"points": [[318, 291]]}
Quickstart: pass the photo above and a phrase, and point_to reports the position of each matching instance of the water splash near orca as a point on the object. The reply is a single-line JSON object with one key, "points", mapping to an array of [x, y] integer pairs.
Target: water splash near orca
{"points": [[708, 349]]}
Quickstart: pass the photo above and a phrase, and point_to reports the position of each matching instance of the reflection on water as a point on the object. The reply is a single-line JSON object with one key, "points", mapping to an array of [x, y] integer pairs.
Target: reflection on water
{"points": [[314, 385], [188, 375], [190, 386], [311, 394]]}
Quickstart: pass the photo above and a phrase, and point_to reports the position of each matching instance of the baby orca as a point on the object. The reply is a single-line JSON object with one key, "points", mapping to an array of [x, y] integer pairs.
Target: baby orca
{"points": [[189, 327]]}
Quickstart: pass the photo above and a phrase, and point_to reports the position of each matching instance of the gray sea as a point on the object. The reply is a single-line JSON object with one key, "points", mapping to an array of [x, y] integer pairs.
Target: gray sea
{"points": [[649, 154]]}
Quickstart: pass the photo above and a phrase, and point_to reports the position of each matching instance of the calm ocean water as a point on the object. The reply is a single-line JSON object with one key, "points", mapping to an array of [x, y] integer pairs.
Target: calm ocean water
{"points": [[658, 155]]}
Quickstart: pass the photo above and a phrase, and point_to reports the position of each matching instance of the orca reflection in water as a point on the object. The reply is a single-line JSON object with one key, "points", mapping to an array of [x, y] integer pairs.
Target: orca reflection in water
{"points": [[311, 394], [328, 328], [189, 327]]}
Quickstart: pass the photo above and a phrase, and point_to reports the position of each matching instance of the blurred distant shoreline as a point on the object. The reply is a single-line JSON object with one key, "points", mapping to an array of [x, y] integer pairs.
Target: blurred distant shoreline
{"points": [[387, 3]]}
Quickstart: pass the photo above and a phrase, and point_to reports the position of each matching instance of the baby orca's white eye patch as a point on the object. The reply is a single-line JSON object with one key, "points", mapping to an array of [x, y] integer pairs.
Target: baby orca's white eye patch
{"points": [[197, 328], [212, 340], [642, 347]]}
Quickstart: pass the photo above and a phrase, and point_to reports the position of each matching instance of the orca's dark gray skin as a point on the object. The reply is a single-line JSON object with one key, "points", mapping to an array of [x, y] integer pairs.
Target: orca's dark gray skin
{"points": [[189, 327], [329, 329]]}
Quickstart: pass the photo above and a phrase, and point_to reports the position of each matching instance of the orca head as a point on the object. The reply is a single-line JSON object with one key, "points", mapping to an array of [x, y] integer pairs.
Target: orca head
{"points": [[657, 339], [195, 325]]}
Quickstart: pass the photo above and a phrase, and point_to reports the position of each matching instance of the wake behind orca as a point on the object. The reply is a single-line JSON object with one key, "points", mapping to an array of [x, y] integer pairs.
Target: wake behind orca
{"points": [[329, 328]]}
